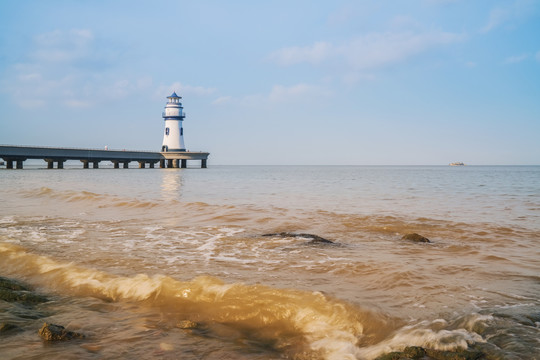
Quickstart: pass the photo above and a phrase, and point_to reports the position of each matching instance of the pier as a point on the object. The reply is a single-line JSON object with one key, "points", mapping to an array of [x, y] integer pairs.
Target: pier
{"points": [[14, 157]]}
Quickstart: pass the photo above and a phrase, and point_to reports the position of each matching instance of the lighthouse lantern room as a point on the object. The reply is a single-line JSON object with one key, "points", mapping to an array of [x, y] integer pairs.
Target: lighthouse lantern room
{"points": [[173, 138]]}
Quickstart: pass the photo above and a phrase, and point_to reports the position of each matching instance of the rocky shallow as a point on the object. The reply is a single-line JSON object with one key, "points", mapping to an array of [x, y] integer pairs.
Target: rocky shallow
{"points": [[20, 311]]}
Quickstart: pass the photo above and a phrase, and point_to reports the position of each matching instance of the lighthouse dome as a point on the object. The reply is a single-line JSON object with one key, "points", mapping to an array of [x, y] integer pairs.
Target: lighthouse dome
{"points": [[173, 95]]}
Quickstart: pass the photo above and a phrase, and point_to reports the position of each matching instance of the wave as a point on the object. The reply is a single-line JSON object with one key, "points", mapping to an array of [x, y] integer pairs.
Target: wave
{"points": [[101, 200], [274, 219], [298, 323]]}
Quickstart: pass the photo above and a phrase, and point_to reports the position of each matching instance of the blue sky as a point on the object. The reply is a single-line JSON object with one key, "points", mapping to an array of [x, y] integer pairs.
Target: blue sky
{"points": [[278, 82]]}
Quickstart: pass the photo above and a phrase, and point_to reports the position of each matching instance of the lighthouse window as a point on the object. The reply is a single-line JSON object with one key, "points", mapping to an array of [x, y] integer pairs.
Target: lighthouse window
{"points": [[181, 131], [166, 131]]}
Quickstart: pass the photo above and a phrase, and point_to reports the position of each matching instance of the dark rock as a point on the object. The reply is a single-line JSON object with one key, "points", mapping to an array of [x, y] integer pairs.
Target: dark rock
{"points": [[418, 353], [414, 237], [315, 239], [14, 291], [22, 296], [7, 327], [396, 355], [11, 284], [187, 324], [414, 352], [455, 355], [26, 311], [52, 332]]}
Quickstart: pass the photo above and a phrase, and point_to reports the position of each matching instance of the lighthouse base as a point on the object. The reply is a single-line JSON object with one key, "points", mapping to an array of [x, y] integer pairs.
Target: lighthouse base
{"points": [[179, 159]]}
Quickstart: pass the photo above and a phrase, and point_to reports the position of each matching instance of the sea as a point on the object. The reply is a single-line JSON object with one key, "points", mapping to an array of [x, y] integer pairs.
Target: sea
{"points": [[221, 263]]}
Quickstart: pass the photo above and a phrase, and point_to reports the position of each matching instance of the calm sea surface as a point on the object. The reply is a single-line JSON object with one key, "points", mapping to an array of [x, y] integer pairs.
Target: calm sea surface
{"points": [[173, 264]]}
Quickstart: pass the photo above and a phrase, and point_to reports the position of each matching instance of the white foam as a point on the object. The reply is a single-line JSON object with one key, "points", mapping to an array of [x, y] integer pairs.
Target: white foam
{"points": [[422, 335], [7, 220]]}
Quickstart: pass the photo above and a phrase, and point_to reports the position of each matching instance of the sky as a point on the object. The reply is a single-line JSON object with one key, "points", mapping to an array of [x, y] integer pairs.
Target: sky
{"points": [[401, 82]]}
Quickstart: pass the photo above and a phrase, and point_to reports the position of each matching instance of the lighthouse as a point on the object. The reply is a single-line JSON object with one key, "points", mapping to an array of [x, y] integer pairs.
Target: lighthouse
{"points": [[173, 138]]}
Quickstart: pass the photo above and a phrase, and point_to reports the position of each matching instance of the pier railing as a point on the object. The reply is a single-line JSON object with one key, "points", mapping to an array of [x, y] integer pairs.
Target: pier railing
{"points": [[18, 154]]}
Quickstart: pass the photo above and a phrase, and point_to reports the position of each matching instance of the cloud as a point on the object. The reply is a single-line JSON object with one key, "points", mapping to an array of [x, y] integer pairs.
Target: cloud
{"points": [[222, 100], [354, 77], [299, 92], [343, 15], [77, 103], [313, 54], [37, 85], [55, 73], [63, 46], [279, 94], [510, 12], [516, 59], [184, 89], [497, 16], [73, 69], [365, 52], [441, 2]]}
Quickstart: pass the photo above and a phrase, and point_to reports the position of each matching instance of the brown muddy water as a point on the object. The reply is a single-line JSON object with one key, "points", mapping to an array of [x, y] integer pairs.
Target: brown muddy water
{"points": [[173, 264]]}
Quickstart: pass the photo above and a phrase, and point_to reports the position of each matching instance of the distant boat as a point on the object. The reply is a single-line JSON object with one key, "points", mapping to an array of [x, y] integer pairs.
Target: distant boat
{"points": [[457, 164]]}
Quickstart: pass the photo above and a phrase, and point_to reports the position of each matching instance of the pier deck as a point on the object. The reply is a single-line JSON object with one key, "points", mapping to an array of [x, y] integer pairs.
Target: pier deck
{"points": [[18, 154]]}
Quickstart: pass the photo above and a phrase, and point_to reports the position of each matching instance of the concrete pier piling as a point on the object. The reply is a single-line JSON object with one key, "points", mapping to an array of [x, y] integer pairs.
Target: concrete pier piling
{"points": [[14, 157]]}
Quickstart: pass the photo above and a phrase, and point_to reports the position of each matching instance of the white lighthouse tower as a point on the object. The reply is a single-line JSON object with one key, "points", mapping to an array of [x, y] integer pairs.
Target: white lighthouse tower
{"points": [[173, 138]]}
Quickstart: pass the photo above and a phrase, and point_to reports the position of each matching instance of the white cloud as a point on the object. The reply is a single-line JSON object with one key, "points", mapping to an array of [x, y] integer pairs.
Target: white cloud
{"points": [[222, 100], [376, 50], [279, 94], [516, 59], [314, 54], [404, 22], [365, 52], [511, 11], [497, 16], [69, 69], [343, 15], [299, 92], [184, 89], [441, 2], [63, 46], [77, 103], [354, 77]]}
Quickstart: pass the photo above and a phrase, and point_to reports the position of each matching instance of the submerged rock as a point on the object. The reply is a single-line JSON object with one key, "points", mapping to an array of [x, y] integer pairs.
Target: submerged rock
{"points": [[414, 237], [14, 291], [187, 324], [26, 297], [11, 284], [52, 332], [8, 328], [417, 353], [315, 239]]}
